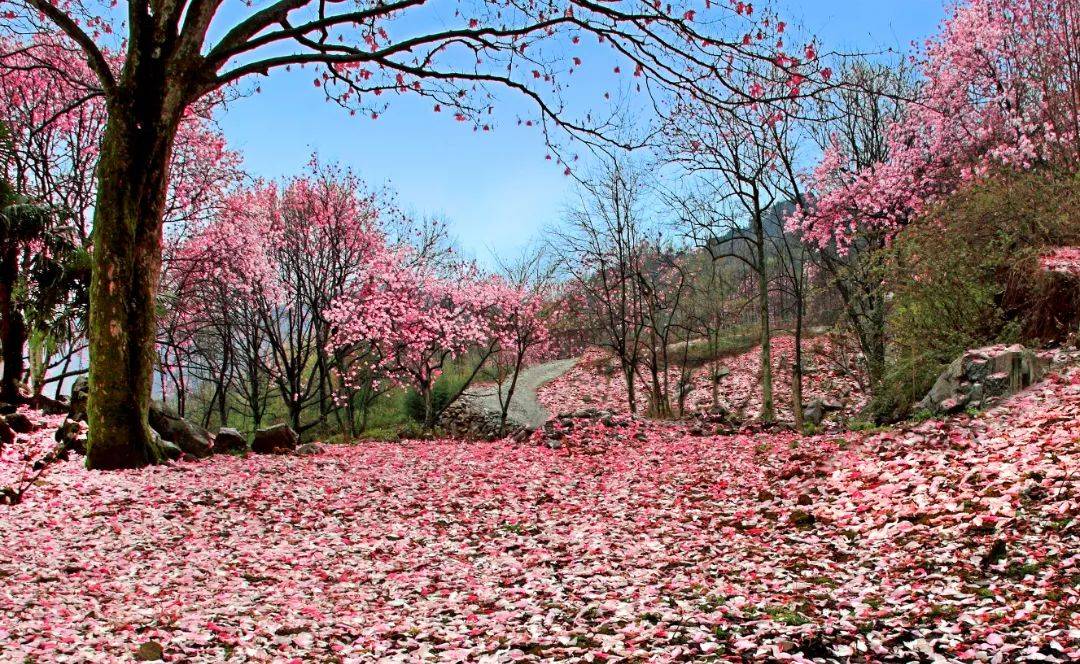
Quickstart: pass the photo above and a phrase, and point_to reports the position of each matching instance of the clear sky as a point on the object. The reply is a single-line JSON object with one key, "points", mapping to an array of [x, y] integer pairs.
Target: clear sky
{"points": [[495, 189]]}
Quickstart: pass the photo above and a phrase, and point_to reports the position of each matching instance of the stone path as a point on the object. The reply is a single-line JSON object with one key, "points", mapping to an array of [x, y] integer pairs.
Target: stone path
{"points": [[524, 408]]}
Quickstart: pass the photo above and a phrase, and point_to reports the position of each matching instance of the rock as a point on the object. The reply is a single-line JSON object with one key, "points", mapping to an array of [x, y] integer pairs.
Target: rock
{"points": [[20, 423], [278, 439], [80, 392], [70, 434], [229, 441], [805, 499], [814, 412], [190, 438], [982, 375], [309, 449], [165, 449], [469, 420], [7, 434], [151, 651]]}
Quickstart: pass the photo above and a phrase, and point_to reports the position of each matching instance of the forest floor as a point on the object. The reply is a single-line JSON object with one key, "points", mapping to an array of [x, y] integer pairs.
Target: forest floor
{"points": [[945, 541], [524, 407], [831, 374]]}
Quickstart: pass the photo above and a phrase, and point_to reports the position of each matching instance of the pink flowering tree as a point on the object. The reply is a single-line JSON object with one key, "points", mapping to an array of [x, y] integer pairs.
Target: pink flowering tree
{"points": [[178, 55], [519, 319], [1000, 90], [248, 289], [409, 322]]}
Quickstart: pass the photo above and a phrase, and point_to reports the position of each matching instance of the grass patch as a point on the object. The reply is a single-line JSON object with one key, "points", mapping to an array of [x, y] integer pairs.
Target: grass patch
{"points": [[787, 616]]}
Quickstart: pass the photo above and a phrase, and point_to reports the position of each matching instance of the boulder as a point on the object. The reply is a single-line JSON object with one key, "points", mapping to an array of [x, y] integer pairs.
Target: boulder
{"points": [[278, 439], [20, 423], [981, 376], [309, 449], [71, 435], [80, 392], [230, 441], [189, 437], [815, 411], [165, 449]]}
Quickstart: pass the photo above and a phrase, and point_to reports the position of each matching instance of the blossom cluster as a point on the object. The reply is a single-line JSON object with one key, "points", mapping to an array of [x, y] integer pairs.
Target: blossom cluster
{"points": [[997, 92]]}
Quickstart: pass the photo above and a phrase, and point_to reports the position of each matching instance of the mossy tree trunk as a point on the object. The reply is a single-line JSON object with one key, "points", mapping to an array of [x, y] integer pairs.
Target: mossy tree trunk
{"points": [[133, 171]]}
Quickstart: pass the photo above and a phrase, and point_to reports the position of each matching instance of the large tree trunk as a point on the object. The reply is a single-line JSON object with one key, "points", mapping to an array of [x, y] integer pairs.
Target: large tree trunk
{"points": [[133, 179], [12, 327]]}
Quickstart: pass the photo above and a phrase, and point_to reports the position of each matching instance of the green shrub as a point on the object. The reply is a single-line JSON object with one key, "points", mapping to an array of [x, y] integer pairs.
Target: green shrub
{"points": [[446, 386], [967, 275]]}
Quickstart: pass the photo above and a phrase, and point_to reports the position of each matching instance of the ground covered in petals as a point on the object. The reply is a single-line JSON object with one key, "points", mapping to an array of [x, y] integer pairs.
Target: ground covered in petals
{"points": [[948, 541], [831, 374]]}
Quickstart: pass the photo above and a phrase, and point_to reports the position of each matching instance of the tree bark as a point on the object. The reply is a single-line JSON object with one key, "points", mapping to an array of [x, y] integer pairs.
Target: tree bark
{"points": [[768, 413], [797, 370], [133, 179]]}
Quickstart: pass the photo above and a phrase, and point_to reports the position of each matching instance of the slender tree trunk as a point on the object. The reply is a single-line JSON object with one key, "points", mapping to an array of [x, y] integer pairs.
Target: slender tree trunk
{"points": [[12, 328], [133, 179], [797, 370], [505, 405], [768, 413]]}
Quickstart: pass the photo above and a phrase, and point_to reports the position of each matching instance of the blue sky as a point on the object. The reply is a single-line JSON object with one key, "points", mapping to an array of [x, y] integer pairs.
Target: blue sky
{"points": [[495, 189]]}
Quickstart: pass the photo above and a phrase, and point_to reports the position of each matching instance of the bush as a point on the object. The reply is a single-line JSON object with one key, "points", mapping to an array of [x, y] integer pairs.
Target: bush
{"points": [[446, 386], [414, 402], [968, 275]]}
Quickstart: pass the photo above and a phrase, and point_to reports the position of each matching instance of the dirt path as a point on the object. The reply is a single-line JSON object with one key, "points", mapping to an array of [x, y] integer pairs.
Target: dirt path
{"points": [[524, 408]]}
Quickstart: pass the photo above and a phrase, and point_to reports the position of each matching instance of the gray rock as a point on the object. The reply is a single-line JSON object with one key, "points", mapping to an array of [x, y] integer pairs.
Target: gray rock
{"points": [[814, 412], [981, 375], [80, 392], [70, 434], [164, 449], [189, 437], [278, 439], [309, 449], [229, 441]]}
